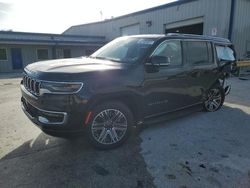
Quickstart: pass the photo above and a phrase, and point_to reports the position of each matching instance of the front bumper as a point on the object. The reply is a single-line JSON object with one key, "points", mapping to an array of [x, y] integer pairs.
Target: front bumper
{"points": [[43, 116], [53, 114]]}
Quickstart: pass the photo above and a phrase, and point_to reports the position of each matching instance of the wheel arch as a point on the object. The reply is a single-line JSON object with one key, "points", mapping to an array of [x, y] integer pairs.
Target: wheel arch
{"points": [[132, 101]]}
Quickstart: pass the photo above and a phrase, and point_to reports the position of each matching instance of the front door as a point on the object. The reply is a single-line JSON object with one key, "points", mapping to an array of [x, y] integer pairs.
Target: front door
{"points": [[17, 61], [167, 90]]}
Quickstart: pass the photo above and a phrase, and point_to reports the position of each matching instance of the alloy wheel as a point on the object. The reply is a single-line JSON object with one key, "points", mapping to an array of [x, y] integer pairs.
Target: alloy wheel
{"points": [[214, 100], [109, 126]]}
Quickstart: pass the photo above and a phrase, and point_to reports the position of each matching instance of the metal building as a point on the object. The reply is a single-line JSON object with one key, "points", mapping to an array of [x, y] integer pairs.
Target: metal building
{"points": [[17, 49], [224, 18]]}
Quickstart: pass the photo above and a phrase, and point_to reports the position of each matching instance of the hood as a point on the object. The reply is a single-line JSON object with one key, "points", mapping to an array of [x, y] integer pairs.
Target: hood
{"points": [[72, 65], [74, 69]]}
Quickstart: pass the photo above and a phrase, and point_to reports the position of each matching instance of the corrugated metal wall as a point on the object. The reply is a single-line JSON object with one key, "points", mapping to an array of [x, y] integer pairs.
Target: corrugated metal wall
{"points": [[241, 27], [215, 13]]}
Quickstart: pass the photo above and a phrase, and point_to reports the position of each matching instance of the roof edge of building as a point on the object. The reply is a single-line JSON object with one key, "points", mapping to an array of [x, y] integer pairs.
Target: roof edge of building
{"points": [[175, 3], [50, 34]]}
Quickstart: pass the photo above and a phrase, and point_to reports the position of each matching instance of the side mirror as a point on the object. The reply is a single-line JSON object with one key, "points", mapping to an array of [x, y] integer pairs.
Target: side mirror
{"points": [[158, 60], [154, 63]]}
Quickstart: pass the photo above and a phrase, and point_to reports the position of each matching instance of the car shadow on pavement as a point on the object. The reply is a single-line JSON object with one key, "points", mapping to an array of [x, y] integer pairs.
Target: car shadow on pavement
{"points": [[55, 162]]}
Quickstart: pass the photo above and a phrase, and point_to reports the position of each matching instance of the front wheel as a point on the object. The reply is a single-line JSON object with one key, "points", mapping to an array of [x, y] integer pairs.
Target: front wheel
{"points": [[110, 125], [215, 99]]}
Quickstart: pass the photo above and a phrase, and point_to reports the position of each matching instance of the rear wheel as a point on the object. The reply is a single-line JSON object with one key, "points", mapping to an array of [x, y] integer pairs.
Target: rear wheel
{"points": [[110, 125], [215, 99]]}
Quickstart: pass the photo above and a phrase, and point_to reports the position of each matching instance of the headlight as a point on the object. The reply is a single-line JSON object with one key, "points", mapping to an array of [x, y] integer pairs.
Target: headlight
{"points": [[60, 87]]}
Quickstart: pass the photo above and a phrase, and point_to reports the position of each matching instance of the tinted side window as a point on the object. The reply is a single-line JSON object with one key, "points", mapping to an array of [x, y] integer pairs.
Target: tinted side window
{"points": [[171, 50], [225, 53], [198, 52]]}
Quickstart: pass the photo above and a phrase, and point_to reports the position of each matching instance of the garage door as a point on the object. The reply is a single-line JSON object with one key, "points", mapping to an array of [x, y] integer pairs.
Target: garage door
{"points": [[130, 30], [190, 26]]}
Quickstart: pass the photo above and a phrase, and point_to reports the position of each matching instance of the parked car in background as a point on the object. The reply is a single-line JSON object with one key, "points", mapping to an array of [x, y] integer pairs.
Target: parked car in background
{"points": [[129, 81]]}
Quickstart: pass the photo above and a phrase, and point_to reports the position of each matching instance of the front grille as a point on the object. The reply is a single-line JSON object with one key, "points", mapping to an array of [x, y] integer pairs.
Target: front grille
{"points": [[32, 85]]}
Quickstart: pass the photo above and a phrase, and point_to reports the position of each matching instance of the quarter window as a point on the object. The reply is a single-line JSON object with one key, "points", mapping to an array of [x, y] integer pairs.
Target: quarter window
{"points": [[42, 54], [171, 50], [3, 54], [198, 52]]}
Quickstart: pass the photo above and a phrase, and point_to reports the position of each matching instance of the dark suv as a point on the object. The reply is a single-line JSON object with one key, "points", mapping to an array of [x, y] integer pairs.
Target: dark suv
{"points": [[131, 80]]}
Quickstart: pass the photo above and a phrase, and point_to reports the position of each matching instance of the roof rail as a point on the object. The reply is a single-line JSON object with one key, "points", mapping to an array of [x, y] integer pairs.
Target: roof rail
{"points": [[199, 37]]}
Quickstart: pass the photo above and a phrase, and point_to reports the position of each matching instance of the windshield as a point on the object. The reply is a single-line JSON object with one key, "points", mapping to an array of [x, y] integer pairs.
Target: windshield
{"points": [[124, 49]]}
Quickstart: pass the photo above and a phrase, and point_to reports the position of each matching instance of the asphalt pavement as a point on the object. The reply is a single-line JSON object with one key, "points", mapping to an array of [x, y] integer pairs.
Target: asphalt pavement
{"points": [[197, 150]]}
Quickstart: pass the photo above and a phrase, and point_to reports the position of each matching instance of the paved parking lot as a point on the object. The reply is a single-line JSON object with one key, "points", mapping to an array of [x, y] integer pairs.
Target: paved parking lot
{"points": [[198, 150]]}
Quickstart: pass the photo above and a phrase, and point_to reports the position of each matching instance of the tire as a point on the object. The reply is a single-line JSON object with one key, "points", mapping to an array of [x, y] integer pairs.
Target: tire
{"points": [[110, 125], [215, 99]]}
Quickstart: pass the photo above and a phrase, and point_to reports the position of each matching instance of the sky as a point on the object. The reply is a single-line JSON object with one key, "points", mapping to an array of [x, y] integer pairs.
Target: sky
{"points": [[55, 16]]}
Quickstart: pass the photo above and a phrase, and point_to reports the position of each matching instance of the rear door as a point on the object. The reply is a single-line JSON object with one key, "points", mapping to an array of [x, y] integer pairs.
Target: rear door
{"points": [[166, 90], [199, 57]]}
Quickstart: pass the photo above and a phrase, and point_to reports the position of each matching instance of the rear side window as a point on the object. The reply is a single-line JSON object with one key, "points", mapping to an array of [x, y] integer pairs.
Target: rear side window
{"points": [[198, 52], [225, 53]]}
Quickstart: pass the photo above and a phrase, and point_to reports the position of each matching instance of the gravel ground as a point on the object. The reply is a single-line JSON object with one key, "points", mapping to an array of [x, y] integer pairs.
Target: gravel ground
{"points": [[198, 150]]}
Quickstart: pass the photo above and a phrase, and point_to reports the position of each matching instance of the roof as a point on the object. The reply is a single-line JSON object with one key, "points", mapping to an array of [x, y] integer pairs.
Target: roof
{"points": [[146, 36], [9, 37], [175, 3], [184, 36]]}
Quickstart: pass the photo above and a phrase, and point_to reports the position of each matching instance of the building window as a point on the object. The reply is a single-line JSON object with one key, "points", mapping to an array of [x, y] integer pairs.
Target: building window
{"points": [[3, 54], [42, 54], [66, 53]]}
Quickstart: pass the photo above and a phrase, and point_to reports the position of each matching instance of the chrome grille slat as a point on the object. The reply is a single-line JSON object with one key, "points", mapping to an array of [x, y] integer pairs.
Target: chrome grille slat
{"points": [[32, 85]]}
